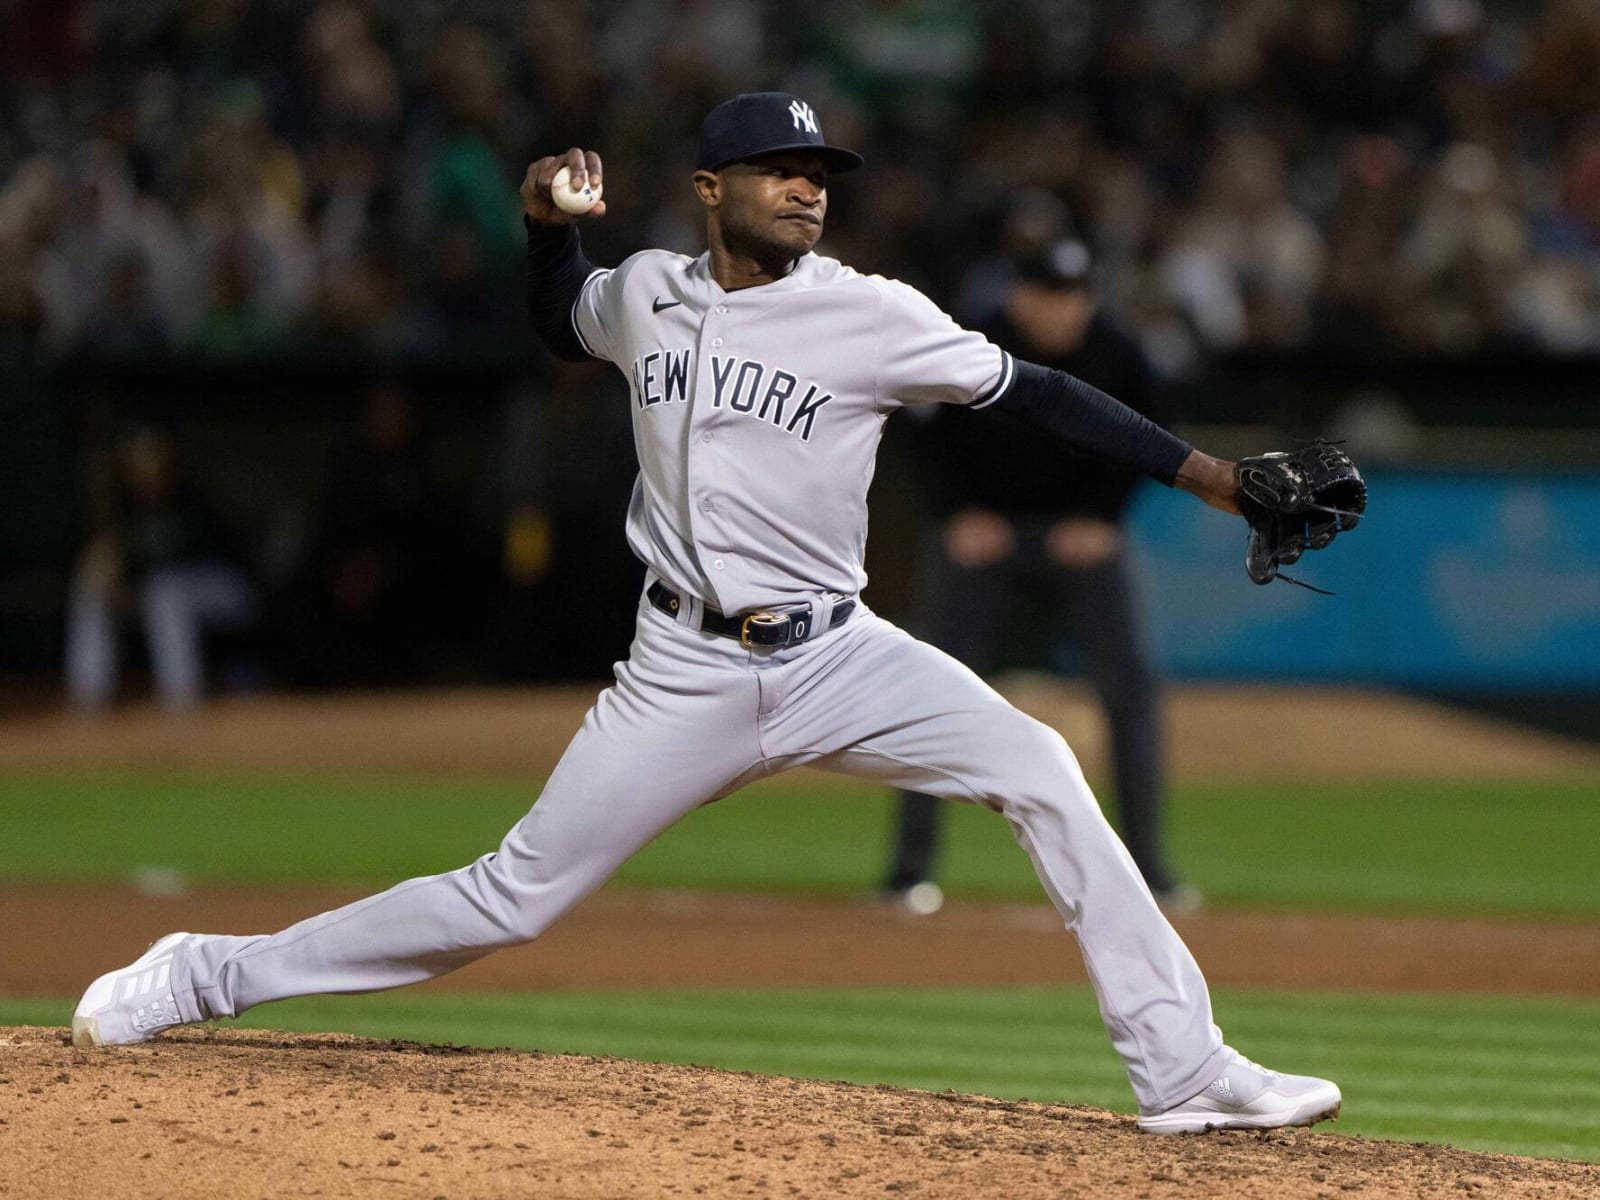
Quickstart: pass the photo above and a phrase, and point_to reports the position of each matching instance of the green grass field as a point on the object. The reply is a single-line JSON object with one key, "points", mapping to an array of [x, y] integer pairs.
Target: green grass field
{"points": [[1482, 848], [1477, 1072], [1418, 847]]}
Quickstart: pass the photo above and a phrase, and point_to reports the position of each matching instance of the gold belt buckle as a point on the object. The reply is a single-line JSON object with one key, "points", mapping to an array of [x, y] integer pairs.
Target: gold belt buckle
{"points": [[758, 618]]}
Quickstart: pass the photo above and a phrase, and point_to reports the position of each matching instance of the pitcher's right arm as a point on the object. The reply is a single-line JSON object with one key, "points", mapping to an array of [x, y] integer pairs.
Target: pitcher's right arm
{"points": [[556, 265]]}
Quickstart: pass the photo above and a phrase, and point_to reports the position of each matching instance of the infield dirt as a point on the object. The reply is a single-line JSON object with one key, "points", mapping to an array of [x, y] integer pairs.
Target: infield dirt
{"points": [[245, 1114], [1217, 732]]}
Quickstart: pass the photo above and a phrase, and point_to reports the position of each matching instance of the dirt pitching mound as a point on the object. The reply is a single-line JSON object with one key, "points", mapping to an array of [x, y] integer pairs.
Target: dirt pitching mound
{"points": [[243, 1114]]}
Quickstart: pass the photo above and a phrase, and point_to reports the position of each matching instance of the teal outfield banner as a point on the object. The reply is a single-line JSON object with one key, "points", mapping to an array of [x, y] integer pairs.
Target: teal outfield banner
{"points": [[1452, 581]]}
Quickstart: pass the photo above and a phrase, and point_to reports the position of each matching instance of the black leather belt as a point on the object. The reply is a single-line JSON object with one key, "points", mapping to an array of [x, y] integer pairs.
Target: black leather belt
{"points": [[765, 627]]}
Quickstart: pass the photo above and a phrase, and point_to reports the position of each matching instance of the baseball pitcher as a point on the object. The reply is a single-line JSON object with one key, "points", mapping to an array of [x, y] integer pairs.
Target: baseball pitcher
{"points": [[761, 376]]}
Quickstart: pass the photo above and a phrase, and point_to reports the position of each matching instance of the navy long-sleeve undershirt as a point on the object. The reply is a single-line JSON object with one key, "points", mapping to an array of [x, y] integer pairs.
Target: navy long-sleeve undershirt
{"points": [[557, 268], [1089, 419]]}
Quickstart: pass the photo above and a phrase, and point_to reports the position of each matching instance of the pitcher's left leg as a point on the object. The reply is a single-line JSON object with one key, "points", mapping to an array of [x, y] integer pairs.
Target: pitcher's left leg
{"points": [[896, 710]]}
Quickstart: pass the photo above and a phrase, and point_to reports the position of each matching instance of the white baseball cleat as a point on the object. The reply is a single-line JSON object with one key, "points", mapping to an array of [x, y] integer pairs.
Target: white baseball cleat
{"points": [[1248, 1096], [132, 1004]]}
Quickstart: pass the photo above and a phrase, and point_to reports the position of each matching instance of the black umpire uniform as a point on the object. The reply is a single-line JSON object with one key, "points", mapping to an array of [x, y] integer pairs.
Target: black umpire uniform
{"points": [[1013, 523]]}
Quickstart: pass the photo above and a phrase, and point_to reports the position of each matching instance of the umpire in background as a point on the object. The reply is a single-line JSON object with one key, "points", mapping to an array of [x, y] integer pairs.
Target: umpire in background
{"points": [[1013, 524]]}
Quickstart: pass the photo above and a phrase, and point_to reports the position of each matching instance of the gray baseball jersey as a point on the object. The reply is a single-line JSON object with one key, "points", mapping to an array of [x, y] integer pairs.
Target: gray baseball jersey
{"points": [[756, 415]]}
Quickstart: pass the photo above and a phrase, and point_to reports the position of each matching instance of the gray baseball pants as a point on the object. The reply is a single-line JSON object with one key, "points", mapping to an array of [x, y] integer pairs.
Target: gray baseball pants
{"points": [[693, 717]]}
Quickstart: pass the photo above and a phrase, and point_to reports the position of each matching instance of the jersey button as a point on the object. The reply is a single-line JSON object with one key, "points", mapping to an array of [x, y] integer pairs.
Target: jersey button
{"points": [[705, 437], [707, 506], [722, 310], [718, 564], [716, 341]]}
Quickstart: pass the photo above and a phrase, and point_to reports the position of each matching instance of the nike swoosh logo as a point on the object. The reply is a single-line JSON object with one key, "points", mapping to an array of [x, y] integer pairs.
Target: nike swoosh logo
{"points": [[661, 304]]}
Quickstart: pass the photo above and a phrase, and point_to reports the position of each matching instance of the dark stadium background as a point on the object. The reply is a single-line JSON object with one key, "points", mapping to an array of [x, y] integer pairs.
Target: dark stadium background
{"points": [[244, 224]]}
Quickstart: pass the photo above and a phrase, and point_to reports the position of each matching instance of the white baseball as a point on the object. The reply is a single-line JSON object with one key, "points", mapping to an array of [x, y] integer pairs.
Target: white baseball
{"points": [[570, 199]]}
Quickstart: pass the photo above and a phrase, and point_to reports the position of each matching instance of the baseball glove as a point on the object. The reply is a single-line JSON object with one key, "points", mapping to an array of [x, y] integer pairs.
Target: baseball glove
{"points": [[1295, 502]]}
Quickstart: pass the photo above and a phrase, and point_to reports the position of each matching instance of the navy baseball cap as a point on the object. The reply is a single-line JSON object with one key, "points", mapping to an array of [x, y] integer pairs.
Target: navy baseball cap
{"points": [[761, 123]]}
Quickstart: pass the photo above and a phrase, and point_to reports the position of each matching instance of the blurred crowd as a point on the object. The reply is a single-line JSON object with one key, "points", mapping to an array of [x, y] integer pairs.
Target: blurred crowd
{"points": [[237, 177], [215, 184]]}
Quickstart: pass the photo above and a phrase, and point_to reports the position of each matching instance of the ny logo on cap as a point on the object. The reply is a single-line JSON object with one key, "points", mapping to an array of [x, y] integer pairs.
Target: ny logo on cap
{"points": [[804, 118]]}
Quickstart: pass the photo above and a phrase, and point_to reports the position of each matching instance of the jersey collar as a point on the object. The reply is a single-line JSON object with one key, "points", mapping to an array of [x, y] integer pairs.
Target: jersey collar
{"points": [[801, 274]]}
